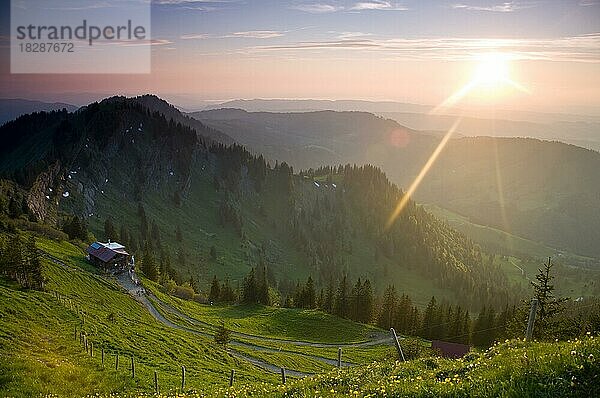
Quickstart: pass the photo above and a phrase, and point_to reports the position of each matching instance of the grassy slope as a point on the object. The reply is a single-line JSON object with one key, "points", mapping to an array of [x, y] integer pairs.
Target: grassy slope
{"points": [[38, 331], [39, 354], [510, 369], [282, 323]]}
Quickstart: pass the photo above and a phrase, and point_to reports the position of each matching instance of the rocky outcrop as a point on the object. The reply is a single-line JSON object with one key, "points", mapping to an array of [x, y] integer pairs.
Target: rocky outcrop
{"points": [[43, 197]]}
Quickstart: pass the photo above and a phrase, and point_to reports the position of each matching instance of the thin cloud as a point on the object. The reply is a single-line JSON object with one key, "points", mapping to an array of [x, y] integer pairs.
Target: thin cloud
{"points": [[317, 8], [584, 48], [257, 34], [368, 5], [377, 5], [195, 36], [196, 5], [509, 6]]}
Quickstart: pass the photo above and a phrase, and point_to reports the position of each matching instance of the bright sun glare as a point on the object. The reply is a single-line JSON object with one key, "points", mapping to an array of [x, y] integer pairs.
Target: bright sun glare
{"points": [[492, 71], [490, 79]]}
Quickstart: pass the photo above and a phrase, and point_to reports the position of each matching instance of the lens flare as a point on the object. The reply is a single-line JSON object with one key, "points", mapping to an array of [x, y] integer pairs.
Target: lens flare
{"points": [[413, 187]]}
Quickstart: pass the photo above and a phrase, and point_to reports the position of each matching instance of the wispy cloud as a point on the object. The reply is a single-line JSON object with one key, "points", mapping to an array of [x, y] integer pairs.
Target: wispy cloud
{"points": [[257, 34], [508, 6], [367, 5], [377, 5], [317, 8], [89, 6], [584, 48], [351, 35], [249, 34], [196, 5]]}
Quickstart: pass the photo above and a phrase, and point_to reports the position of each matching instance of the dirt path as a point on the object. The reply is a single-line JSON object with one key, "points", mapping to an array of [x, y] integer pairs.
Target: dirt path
{"points": [[137, 293], [151, 302], [172, 310]]}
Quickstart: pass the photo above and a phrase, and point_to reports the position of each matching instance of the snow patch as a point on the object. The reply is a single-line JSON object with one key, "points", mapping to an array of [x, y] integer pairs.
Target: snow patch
{"points": [[65, 194]]}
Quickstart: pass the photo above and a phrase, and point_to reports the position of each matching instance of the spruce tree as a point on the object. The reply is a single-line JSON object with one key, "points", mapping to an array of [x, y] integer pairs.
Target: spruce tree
{"points": [[387, 314], [149, 267], [549, 306], [215, 290]]}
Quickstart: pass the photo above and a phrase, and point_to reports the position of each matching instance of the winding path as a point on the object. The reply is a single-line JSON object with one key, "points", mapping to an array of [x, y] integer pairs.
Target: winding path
{"points": [[133, 289], [151, 302]]}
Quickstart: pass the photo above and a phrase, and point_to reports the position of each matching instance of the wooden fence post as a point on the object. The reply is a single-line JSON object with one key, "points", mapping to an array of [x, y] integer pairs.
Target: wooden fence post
{"points": [[155, 382], [85, 343], [182, 378], [531, 322], [283, 375], [397, 343], [117, 362], [103, 357], [91, 348], [231, 378], [132, 368], [75, 332], [339, 357]]}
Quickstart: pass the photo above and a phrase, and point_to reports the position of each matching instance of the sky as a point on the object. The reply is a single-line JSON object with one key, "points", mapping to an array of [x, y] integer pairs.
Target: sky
{"points": [[409, 51]]}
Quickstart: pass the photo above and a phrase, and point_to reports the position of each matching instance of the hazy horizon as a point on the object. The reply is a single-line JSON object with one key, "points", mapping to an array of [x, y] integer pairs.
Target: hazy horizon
{"points": [[410, 52]]}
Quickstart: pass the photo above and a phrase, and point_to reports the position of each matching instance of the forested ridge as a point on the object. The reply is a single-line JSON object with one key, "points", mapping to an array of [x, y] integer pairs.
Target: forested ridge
{"points": [[117, 157]]}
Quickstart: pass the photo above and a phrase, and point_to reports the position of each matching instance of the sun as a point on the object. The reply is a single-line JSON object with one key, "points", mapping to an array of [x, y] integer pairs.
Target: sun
{"points": [[490, 80], [492, 71]]}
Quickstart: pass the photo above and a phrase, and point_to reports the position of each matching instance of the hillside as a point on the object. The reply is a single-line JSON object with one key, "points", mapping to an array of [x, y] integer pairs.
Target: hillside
{"points": [[42, 349], [40, 353], [12, 108], [513, 368], [212, 209], [520, 185]]}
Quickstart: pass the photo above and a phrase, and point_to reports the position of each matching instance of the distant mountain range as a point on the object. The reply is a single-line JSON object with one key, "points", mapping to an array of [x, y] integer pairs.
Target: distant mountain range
{"points": [[545, 191], [580, 130], [11, 108]]}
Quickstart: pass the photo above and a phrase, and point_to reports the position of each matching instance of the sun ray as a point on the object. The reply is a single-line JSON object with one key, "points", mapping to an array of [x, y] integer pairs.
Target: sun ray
{"points": [[415, 184]]}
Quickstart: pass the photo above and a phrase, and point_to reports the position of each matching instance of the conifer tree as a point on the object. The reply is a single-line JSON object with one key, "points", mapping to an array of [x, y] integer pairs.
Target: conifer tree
{"points": [[427, 328], [387, 314], [341, 306], [549, 306], [149, 267], [215, 290]]}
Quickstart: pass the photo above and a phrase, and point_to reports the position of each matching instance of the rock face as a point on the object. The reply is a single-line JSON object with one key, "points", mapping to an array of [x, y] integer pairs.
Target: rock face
{"points": [[43, 196]]}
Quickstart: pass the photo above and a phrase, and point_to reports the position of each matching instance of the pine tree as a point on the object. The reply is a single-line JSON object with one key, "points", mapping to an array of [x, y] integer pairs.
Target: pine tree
{"points": [[149, 267], [110, 233], [250, 289], [329, 299], [549, 306], [366, 303], [387, 314], [223, 335], [263, 287], [227, 293], [341, 306], [309, 294], [215, 290], [33, 266], [427, 328]]}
